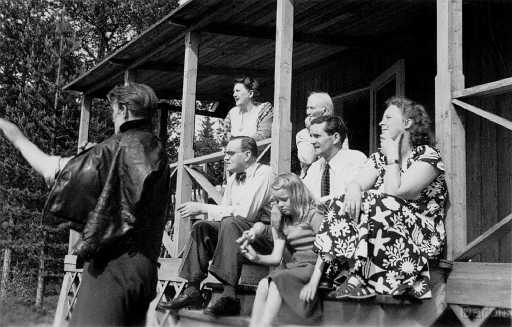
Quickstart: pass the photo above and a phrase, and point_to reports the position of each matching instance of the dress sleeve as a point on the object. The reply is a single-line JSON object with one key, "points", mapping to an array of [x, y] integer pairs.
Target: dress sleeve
{"points": [[316, 220], [227, 126], [264, 122], [376, 160], [431, 156]]}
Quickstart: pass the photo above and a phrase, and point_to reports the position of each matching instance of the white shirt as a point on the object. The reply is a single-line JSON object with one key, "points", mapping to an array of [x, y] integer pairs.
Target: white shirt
{"points": [[246, 200], [243, 123], [343, 168]]}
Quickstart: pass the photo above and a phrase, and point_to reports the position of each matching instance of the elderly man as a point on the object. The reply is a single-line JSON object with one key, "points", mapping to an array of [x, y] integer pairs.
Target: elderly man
{"points": [[116, 193], [318, 104], [329, 175], [246, 200]]}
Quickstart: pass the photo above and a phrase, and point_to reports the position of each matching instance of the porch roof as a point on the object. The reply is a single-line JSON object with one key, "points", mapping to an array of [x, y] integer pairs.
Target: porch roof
{"points": [[237, 38]]}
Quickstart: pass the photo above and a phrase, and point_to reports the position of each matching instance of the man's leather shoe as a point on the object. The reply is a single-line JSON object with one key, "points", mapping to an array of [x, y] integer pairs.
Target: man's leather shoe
{"points": [[224, 306], [190, 298]]}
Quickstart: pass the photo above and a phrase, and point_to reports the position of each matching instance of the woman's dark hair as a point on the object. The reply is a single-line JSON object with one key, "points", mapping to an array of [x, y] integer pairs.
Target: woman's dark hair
{"points": [[250, 84], [420, 131]]}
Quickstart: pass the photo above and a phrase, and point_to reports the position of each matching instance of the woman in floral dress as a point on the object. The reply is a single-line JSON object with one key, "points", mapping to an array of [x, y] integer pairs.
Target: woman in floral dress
{"points": [[390, 222]]}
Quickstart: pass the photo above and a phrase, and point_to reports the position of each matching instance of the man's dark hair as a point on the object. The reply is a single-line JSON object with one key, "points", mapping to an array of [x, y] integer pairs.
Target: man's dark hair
{"points": [[247, 144], [140, 99], [333, 124]]}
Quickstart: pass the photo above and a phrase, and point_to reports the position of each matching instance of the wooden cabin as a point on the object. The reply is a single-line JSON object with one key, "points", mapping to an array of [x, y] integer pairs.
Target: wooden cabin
{"points": [[453, 56]]}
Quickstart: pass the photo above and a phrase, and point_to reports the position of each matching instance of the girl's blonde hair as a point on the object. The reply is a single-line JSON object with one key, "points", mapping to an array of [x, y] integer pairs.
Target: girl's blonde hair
{"points": [[301, 200]]}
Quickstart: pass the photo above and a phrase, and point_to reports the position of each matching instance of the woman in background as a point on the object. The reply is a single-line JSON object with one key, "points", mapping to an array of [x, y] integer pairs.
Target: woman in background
{"points": [[248, 117]]}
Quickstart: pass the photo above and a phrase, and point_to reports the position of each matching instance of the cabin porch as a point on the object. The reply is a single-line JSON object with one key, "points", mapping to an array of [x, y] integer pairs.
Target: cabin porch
{"points": [[361, 52]]}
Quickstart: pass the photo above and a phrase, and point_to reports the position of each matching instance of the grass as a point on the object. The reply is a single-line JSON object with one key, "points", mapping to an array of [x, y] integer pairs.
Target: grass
{"points": [[18, 312]]}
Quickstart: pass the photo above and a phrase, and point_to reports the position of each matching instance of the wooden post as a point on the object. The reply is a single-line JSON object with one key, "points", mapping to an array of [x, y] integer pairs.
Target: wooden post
{"points": [[450, 133], [183, 180], [281, 127]]}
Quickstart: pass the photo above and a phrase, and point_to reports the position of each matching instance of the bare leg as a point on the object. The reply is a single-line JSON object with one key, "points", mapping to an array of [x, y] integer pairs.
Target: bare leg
{"points": [[272, 305], [260, 300]]}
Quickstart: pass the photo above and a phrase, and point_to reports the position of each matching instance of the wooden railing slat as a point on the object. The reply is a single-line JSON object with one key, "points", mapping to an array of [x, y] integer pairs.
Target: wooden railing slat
{"points": [[205, 184], [497, 87], [484, 114], [491, 235], [215, 156]]}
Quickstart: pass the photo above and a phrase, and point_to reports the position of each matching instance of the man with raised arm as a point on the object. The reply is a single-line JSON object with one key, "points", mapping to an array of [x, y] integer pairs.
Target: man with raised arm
{"points": [[116, 194], [246, 200], [336, 165]]}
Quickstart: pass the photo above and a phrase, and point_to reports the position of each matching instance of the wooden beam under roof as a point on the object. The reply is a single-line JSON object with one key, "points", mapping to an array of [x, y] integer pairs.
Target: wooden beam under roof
{"points": [[202, 69], [268, 32]]}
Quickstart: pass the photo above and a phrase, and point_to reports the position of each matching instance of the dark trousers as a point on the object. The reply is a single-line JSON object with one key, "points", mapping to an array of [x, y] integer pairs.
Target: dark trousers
{"points": [[216, 241], [116, 292]]}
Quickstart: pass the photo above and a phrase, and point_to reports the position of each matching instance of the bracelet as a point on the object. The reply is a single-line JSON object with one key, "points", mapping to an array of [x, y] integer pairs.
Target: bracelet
{"points": [[392, 162]]}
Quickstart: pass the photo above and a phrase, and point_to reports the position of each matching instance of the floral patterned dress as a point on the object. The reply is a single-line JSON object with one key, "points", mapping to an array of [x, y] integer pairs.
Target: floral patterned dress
{"points": [[391, 245]]}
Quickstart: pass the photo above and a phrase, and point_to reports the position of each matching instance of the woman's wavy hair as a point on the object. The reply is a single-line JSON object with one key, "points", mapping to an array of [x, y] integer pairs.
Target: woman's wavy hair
{"points": [[250, 84], [301, 200], [420, 131]]}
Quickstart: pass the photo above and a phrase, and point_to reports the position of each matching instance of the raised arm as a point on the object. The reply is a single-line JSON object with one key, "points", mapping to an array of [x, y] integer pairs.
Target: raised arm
{"points": [[305, 150], [41, 162]]}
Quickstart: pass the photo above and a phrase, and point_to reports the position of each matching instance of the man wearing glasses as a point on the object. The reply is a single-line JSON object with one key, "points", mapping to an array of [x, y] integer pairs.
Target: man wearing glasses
{"points": [[246, 200]]}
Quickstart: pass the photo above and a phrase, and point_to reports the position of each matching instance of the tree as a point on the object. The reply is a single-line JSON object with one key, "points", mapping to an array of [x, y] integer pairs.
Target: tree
{"points": [[33, 40]]}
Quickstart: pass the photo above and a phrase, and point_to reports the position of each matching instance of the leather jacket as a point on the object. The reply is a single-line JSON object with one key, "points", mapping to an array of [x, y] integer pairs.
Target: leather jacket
{"points": [[116, 192]]}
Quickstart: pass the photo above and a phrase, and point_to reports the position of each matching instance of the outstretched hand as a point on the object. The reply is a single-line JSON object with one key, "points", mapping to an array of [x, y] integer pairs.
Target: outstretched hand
{"points": [[247, 237], [308, 292], [190, 208], [249, 252]]}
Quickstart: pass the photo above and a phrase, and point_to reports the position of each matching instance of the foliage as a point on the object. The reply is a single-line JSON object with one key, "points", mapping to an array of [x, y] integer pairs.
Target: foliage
{"points": [[38, 39]]}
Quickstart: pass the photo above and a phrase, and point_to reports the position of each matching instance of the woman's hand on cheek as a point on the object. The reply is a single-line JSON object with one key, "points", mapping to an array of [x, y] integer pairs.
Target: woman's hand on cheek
{"points": [[390, 148]]}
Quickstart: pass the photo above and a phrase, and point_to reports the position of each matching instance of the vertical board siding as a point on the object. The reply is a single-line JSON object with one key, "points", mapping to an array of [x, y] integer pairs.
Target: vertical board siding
{"points": [[489, 146]]}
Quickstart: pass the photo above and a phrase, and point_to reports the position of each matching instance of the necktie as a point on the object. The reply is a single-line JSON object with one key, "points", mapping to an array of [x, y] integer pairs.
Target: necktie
{"points": [[325, 183], [240, 177]]}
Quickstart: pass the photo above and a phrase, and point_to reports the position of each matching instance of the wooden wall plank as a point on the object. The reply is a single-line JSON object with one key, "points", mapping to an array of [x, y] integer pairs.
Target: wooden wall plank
{"points": [[185, 151], [282, 127]]}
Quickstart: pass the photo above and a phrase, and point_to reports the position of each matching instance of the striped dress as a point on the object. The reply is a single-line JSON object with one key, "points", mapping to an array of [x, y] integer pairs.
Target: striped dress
{"points": [[298, 270]]}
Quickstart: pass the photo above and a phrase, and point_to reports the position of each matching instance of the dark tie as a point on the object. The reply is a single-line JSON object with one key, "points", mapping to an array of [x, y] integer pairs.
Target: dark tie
{"points": [[325, 183], [240, 177]]}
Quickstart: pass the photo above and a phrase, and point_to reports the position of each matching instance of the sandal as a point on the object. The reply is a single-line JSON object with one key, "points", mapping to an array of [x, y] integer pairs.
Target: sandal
{"points": [[354, 291]]}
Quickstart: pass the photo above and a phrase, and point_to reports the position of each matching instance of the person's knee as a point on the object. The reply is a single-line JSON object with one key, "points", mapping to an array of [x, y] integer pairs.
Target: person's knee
{"points": [[230, 225], [272, 288], [262, 286]]}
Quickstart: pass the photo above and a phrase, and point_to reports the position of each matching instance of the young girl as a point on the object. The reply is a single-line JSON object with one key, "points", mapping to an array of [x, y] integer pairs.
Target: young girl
{"points": [[295, 220]]}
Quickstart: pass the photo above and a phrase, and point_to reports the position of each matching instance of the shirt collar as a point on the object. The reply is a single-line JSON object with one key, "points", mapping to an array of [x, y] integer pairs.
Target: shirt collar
{"points": [[333, 163], [251, 170]]}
